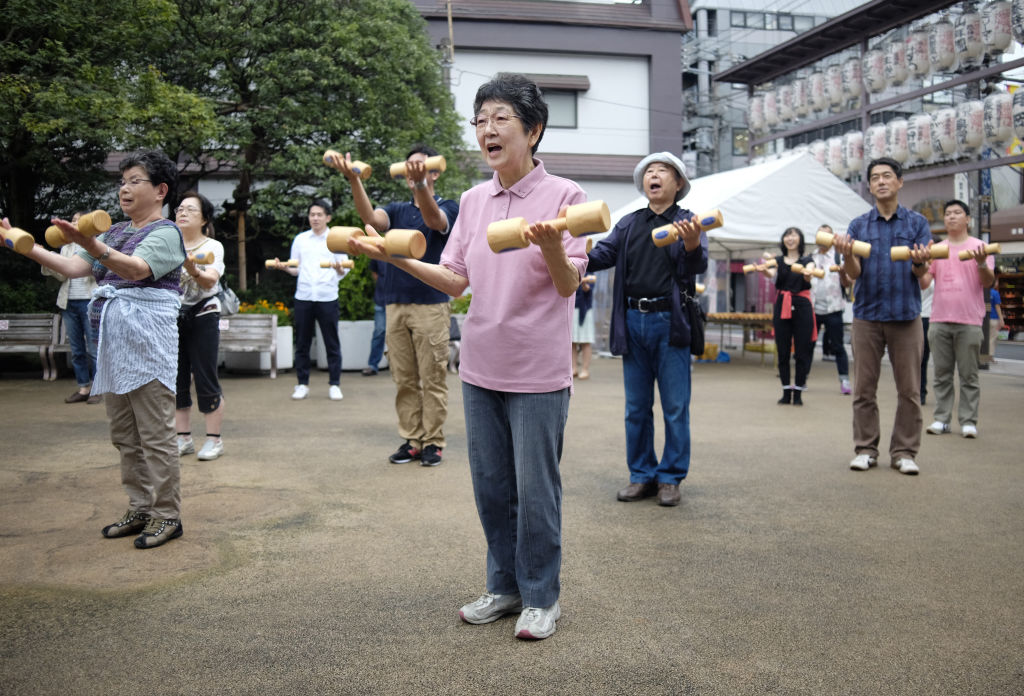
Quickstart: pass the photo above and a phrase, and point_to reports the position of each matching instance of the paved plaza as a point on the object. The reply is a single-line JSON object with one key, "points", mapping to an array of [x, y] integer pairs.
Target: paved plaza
{"points": [[310, 565]]}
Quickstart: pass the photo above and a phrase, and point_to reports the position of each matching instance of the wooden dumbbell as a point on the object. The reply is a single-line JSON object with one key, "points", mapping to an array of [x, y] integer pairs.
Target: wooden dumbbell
{"points": [[433, 164], [344, 264], [902, 253], [17, 239], [835, 268], [700, 288], [202, 257], [409, 244], [770, 263], [799, 268], [989, 249], [361, 168], [579, 220], [666, 234], [290, 263], [91, 225], [825, 239], [337, 238]]}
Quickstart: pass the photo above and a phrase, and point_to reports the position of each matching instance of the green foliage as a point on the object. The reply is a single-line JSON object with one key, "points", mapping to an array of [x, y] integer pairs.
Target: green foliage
{"points": [[355, 292], [460, 305]]}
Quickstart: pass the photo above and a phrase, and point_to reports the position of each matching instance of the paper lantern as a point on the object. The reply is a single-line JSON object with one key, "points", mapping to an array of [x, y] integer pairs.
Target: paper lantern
{"points": [[896, 139], [816, 90], [784, 102], [834, 156], [755, 114], [944, 133], [800, 101], [874, 70], [996, 26], [853, 151], [817, 151], [1018, 114], [941, 45], [896, 62], [970, 49], [997, 120], [970, 127], [919, 138], [1017, 19], [834, 84], [852, 78], [874, 142], [771, 109], [918, 61]]}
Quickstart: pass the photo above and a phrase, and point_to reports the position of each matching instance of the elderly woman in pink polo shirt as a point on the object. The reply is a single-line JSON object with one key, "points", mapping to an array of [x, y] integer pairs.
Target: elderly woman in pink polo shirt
{"points": [[515, 363]]}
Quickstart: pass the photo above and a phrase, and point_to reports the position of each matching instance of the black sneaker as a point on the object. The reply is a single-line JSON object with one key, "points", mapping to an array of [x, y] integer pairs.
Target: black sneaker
{"points": [[158, 532], [405, 454], [133, 522], [431, 456]]}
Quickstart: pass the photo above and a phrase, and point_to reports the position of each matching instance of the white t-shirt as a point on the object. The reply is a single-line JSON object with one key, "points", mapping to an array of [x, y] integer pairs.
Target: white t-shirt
{"points": [[192, 293], [315, 283]]}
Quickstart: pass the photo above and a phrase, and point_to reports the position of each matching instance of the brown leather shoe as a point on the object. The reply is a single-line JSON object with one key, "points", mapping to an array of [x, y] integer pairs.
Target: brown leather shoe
{"points": [[637, 491], [668, 494], [94, 399], [76, 397]]}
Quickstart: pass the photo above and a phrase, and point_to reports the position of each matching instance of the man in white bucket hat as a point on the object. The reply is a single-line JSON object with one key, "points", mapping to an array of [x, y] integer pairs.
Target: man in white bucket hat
{"points": [[649, 326]]}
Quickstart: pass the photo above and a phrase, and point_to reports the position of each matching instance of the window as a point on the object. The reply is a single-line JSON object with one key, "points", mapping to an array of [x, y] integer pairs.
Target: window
{"points": [[737, 19], [740, 141], [803, 23], [561, 108], [755, 20], [786, 22]]}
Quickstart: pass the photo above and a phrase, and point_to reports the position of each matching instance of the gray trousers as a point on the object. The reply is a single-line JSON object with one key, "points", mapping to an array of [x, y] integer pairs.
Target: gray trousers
{"points": [[142, 430], [956, 346]]}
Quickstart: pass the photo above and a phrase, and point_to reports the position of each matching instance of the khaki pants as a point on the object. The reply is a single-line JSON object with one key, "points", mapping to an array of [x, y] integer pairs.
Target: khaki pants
{"points": [[417, 337], [905, 342], [142, 430], [956, 346]]}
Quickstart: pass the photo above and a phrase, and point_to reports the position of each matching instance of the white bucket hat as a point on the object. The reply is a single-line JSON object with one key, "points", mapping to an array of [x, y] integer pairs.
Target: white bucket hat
{"points": [[665, 158]]}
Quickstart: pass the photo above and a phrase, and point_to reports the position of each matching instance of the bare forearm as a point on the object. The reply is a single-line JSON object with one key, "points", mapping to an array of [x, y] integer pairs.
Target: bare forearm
{"points": [[435, 275], [564, 275], [986, 276], [364, 208], [67, 266], [432, 215]]}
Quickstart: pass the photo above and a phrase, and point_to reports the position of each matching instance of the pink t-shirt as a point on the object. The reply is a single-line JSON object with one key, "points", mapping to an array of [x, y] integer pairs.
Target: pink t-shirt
{"points": [[517, 336], [959, 297]]}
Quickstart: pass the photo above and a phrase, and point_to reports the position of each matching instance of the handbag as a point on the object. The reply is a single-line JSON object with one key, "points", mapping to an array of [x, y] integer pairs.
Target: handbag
{"points": [[229, 302]]}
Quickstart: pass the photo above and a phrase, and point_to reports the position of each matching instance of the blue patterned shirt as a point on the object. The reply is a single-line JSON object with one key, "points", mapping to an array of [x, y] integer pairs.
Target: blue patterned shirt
{"points": [[887, 290]]}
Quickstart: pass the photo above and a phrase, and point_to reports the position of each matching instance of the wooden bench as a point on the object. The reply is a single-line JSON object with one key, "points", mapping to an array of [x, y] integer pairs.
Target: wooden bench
{"points": [[30, 333], [250, 333]]}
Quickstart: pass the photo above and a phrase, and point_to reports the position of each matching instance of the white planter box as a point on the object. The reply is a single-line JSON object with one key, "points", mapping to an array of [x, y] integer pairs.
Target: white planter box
{"points": [[355, 337], [260, 362]]}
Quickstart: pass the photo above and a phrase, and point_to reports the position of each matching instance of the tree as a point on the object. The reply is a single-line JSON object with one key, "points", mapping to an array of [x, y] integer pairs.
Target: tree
{"points": [[291, 78]]}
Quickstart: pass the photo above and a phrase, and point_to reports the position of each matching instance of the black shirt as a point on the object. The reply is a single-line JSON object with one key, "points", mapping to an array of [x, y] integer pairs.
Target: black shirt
{"points": [[786, 280], [648, 268]]}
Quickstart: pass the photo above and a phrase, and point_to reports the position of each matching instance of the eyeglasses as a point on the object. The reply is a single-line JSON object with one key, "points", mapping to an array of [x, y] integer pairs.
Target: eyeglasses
{"points": [[130, 182], [186, 209], [501, 121]]}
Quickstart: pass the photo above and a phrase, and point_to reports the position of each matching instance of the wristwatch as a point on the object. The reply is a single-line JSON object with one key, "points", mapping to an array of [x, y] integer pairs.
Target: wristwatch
{"points": [[421, 184], [105, 255]]}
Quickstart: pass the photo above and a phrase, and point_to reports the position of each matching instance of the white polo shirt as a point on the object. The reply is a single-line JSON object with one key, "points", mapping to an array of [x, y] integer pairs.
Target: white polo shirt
{"points": [[315, 283]]}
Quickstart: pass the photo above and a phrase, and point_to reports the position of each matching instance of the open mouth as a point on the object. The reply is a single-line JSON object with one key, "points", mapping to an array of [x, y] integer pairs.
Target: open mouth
{"points": [[493, 148]]}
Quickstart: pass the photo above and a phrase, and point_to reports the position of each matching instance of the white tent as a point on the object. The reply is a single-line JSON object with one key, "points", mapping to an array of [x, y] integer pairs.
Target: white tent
{"points": [[760, 201]]}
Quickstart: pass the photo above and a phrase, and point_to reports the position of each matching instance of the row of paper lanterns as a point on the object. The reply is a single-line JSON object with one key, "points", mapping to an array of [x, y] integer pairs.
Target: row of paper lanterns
{"points": [[924, 138], [938, 47]]}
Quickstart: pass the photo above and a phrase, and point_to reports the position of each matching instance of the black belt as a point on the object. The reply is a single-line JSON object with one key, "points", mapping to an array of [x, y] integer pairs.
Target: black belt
{"points": [[649, 304]]}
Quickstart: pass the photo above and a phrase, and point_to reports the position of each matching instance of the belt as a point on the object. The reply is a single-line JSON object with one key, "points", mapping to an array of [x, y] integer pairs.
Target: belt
{"points": [[649, 304]]}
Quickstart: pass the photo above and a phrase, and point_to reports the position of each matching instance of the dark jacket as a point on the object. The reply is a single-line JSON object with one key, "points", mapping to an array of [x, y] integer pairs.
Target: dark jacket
{"points": [[611, 251]]}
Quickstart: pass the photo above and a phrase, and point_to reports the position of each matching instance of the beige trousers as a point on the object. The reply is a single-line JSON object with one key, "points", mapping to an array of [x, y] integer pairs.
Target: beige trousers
{"points": [[417, 337], [142, 430]]}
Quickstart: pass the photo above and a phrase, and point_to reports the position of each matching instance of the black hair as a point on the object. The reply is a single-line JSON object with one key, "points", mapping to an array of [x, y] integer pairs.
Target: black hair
{"points": [[782, 243], [889, 162], [958, 202], [205, 207], [320, 203], [827, 226], [420, 148], [159, 168], [522, 94]]}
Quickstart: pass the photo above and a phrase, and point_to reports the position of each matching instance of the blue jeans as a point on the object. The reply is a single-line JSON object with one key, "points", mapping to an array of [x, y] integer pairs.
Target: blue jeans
{"points": [[651, 358], [515, 444], [83, 348], [325, 314], [377, 343]]}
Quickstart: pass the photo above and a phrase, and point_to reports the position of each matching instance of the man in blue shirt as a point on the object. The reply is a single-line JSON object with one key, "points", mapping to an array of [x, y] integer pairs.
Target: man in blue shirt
{"points": [[417, 314], [886, 314]]}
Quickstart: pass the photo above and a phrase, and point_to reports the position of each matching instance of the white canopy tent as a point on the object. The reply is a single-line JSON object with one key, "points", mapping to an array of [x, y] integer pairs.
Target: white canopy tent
{"points": [[760, 201]]}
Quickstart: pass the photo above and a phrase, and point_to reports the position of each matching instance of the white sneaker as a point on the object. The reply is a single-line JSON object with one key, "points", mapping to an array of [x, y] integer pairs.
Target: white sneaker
{"points": [[334, 393], [863, 462], [970, 431], [301, 391], [535, 624], [490, 607], [185, 446], [907, 466], [938, 428], [211, 450]]}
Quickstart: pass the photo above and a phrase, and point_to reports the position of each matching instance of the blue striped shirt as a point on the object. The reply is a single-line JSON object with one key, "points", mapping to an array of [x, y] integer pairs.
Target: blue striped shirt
{"points": [[887, 290]]}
